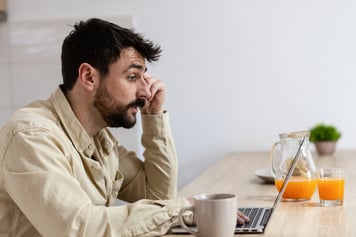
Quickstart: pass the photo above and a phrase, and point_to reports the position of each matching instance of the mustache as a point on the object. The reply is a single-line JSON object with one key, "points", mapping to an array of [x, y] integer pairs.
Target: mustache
{"points": [[139, 102]]}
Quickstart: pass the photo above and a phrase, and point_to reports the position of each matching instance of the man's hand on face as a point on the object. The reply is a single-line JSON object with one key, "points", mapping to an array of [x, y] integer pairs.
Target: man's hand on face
{"points": [[155, 100]]}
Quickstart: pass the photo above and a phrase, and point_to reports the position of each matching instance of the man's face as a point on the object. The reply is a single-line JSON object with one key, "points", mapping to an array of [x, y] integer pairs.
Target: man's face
{"points": [[123, 90]]}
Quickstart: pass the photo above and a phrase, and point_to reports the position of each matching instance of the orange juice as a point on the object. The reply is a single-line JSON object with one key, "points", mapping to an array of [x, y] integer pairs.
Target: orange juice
{"points": [[298, 187], [331, 189]]}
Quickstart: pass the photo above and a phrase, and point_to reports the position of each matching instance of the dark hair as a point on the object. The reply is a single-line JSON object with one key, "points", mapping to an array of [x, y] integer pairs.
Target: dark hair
{"points": [[99, 43]]}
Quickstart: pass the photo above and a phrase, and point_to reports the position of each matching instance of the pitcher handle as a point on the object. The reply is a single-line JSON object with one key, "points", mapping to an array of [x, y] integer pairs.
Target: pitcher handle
{"points": [[276, 147]]}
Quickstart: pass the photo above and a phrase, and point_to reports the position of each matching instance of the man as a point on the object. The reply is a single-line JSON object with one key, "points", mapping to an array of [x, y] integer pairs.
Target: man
{"points": [[62, 169]]}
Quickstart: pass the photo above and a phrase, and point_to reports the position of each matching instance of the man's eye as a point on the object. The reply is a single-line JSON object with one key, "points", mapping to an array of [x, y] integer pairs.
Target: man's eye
{"points": [[132, 78]]}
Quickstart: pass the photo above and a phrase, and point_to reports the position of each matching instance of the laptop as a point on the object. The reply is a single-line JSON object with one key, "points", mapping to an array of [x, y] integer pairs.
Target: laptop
{"points": [[259, 216]]}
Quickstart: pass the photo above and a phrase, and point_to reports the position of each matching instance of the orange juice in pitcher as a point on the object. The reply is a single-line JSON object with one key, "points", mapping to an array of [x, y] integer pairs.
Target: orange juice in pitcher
{"points": [[297, 188], [303, 181]]}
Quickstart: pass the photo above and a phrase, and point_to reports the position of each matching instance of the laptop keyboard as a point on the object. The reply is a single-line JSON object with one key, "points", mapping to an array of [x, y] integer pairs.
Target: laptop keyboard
{"points": [[254, 215]]}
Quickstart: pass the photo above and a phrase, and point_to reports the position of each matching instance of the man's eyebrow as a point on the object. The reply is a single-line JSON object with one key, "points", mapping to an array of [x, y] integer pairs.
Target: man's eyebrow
{"points": [[138, 66]]}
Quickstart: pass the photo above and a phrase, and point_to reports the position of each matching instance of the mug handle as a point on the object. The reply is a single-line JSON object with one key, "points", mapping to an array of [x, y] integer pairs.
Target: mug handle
{"points": [[181, 220]]}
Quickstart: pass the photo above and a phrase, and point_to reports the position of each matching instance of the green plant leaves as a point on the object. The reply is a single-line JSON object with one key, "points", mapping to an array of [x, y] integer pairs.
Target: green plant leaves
{"points": [[322, 132]]}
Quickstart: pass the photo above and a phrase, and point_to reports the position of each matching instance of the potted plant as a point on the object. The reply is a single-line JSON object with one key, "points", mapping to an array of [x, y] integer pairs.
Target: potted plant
{"points": [[324, 138]]}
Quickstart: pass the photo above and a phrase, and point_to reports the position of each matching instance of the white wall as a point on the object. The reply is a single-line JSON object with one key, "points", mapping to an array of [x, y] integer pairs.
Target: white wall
{"points": [[238, 72]]}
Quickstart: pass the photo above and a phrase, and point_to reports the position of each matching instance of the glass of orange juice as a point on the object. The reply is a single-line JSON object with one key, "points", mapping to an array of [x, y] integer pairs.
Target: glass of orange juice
{"points": [[331, 186]]}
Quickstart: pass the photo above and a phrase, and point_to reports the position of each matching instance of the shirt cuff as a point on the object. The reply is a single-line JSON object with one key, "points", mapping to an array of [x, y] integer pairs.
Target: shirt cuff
{"points": [[156, 125], [174, 208]]}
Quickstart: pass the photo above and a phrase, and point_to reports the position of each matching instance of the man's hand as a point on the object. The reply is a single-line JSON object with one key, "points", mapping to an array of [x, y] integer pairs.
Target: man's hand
{"points": [[155, 100], [242, 218]]}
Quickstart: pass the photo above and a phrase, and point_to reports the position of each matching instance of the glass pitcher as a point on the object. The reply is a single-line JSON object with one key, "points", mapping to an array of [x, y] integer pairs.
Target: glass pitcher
{"points": [[302, 183]]}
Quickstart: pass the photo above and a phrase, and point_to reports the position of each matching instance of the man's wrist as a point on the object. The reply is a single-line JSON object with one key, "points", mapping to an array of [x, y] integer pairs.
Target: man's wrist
{"points": [[154, 112]]}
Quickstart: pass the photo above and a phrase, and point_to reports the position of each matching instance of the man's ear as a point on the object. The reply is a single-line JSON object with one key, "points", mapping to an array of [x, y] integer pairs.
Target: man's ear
{"points": [[87, 76]]}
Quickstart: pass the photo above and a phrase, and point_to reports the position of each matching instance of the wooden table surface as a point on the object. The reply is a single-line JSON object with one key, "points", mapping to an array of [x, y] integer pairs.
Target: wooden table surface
{"points": [[235, 174]]}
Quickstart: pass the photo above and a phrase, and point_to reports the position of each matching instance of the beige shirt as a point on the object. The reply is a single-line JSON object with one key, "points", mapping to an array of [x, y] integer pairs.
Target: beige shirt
{"points": [[55, 180]]}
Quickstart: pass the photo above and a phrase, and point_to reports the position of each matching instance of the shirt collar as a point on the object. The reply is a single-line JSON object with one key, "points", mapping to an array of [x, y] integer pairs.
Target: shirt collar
{"points": [[76, 132]]}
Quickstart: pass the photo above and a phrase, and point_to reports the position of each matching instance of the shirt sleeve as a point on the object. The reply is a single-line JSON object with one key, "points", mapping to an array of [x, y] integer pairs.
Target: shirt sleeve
{"points": [[40, 181], [156, 176]]}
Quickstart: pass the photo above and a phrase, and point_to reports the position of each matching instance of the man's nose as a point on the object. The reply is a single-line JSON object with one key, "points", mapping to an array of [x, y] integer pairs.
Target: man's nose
{"points": [[143, 89]]}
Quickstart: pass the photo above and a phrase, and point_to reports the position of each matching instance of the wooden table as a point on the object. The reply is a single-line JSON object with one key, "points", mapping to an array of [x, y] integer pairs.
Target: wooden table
{"points": [[235, 174]]}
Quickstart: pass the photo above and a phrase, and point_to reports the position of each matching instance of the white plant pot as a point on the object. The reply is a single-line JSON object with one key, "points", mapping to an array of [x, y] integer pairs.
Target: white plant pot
{"points": [[325, 147]]}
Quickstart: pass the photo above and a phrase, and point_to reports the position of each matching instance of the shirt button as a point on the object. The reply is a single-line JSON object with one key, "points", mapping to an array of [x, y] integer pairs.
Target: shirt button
{"points": [[87, 153]]}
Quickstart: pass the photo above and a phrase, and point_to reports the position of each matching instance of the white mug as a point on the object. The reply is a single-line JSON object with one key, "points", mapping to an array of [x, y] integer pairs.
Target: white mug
{"points": [[215, 215]]}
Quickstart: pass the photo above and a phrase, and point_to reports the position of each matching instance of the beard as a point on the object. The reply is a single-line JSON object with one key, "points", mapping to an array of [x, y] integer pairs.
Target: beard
{"points": [[114, 114]]}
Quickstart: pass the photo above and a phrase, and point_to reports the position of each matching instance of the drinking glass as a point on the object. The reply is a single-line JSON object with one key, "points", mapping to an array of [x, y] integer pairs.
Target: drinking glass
{"points": [[331, 186]]}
